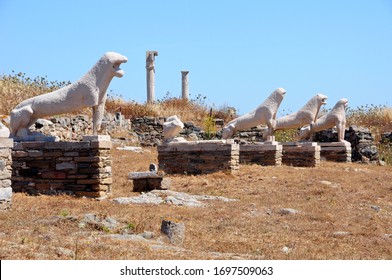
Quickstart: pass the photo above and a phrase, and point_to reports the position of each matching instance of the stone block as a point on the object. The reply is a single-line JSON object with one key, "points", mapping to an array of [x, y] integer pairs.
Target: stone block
{"points": [[198, 157], [302, 154], [267, 153], [335, 151]]}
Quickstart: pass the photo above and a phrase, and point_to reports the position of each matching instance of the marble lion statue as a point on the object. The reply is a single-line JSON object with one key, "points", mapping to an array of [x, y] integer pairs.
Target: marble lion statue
{"points": [[306, 115], [336, 117], [88, 91], [264, 114], [4, 131]]}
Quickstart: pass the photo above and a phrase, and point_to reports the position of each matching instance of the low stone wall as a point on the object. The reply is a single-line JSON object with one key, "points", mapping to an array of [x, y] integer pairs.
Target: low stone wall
{"points": [[79, 168], [6, 145], [266, 153], [149, 130], [198, 157], [305, 154], [74, 128]]}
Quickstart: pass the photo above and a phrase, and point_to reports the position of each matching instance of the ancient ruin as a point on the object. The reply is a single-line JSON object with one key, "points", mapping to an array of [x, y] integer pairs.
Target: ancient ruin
{"points": [[264, 114], [150, 75], [336, 117], [306, 115], [88, 91], [172, 127], [184, 85]]}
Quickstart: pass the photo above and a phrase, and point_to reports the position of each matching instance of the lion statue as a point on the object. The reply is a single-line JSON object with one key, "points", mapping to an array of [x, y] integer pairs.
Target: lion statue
{"points": [[336, 117], [4, 131], [264, 114], [88, 91], [306, 115]]}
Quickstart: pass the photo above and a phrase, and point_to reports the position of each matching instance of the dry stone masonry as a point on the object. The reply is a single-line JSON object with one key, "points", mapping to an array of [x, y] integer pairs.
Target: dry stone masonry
{"points": [[335, 151], [80, 168], [304, 154], [198, 157], [362, 142], [265, 153], [6, 145]]}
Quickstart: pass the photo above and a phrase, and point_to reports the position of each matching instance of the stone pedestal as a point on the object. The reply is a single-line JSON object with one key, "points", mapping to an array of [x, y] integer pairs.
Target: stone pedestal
{"points": [[305, 154], [6, 145], [198, 157], [335, 151], [148, 181], [264, 153], [78, 168]]}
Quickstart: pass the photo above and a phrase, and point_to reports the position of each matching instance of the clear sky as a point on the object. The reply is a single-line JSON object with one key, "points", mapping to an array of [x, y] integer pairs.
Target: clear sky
{"points": [[237, 52]]}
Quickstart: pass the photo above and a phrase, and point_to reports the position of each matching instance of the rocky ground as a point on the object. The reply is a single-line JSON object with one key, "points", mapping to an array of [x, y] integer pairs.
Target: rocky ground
{"points": [[335, 211]]}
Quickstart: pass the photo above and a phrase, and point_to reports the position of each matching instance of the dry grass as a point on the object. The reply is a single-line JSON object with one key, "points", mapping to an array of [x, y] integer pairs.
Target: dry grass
{"points": [[250, 228]]}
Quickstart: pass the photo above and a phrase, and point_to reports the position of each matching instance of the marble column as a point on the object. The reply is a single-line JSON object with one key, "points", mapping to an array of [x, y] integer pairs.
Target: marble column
{"points": [[185, 85], [150, 71]]}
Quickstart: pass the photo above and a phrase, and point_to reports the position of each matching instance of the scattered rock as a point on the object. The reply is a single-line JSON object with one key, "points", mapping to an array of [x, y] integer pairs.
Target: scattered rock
{"points": [[148, 235], [387, 236], [330, 184], [93, 220], [376, 208], [286, 250], [341, 233], [61, 252], [175, 231], [170, 197], [288, 211]]}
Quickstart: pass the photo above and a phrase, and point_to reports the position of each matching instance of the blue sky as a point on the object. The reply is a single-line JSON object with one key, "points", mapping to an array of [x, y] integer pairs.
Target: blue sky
{"points": [[237, 52]]}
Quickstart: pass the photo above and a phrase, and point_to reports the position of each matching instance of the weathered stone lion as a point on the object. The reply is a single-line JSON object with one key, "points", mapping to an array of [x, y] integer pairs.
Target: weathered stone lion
{"points": [[4, 131], [306, 115], [336, 117], [264, 114], [88, 91]]}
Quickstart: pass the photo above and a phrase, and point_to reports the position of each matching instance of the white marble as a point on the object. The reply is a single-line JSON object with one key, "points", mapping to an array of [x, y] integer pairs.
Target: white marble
{"points": [[264, 114], [336, 117], [88, 91]]}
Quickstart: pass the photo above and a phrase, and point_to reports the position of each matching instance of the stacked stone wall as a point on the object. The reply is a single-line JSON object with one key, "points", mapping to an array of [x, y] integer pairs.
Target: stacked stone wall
{"points": [[362, 143], [5, 173], [79, 168], [198, 157]]}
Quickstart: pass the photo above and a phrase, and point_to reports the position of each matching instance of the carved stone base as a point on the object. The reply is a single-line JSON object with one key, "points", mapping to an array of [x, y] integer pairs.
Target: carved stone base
{"points": [[264, 153], [335, 151], [305, 154], [198, 157]]}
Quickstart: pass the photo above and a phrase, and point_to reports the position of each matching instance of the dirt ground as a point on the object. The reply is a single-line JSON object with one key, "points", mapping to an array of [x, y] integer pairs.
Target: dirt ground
{"points": [[334, 211]]}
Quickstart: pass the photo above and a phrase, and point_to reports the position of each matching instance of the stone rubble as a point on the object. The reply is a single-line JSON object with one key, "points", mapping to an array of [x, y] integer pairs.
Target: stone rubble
{"points": [[172, 198]]}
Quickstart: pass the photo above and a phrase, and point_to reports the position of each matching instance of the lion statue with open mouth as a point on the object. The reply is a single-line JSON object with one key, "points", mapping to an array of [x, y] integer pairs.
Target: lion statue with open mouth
{"points": [[88, 91]]}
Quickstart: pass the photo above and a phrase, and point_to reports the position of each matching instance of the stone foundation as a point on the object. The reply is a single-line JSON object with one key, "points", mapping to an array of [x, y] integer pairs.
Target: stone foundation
{"points": [[335, 151], [265, 153], [78, 168], [198, 157], [305, 154], [6, 145]]}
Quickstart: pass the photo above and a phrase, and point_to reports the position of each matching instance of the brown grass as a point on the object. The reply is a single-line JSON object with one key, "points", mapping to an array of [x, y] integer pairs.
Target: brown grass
{"points": [[250, 228]]}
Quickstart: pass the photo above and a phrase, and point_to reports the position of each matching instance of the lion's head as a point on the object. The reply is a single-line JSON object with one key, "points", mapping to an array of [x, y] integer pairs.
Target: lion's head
{"points": [[342, 102], [280, 92], [321, 99], [115, 60]]}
